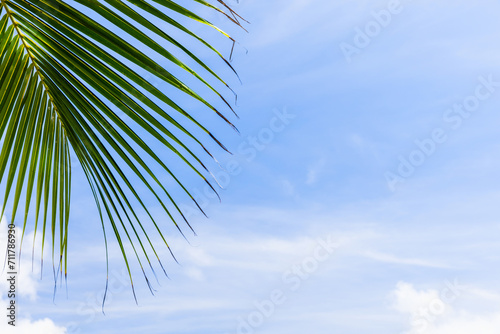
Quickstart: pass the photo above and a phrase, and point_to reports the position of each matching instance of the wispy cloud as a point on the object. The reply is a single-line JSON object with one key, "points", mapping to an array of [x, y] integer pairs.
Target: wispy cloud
{"points": [[390, 258]]}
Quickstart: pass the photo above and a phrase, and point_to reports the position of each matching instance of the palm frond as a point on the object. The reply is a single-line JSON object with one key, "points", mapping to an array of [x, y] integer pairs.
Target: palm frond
{"points": [[70, 84]]}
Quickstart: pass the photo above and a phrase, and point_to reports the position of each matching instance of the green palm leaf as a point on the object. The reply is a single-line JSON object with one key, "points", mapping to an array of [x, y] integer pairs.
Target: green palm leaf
{"points": [[63, 89]]}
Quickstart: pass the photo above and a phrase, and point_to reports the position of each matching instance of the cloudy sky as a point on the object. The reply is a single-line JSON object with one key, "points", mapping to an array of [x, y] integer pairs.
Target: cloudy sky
{"points": [[364, 198]]}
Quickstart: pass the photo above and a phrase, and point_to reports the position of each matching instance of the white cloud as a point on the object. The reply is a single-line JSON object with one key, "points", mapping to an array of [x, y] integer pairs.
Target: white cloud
{"points": [[408, 300], [27, 283], [466, 324], [434, 312], [25, 326]]}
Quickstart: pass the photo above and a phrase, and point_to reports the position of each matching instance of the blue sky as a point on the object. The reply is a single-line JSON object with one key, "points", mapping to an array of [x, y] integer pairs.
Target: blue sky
{"points": [[310, 234]]}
